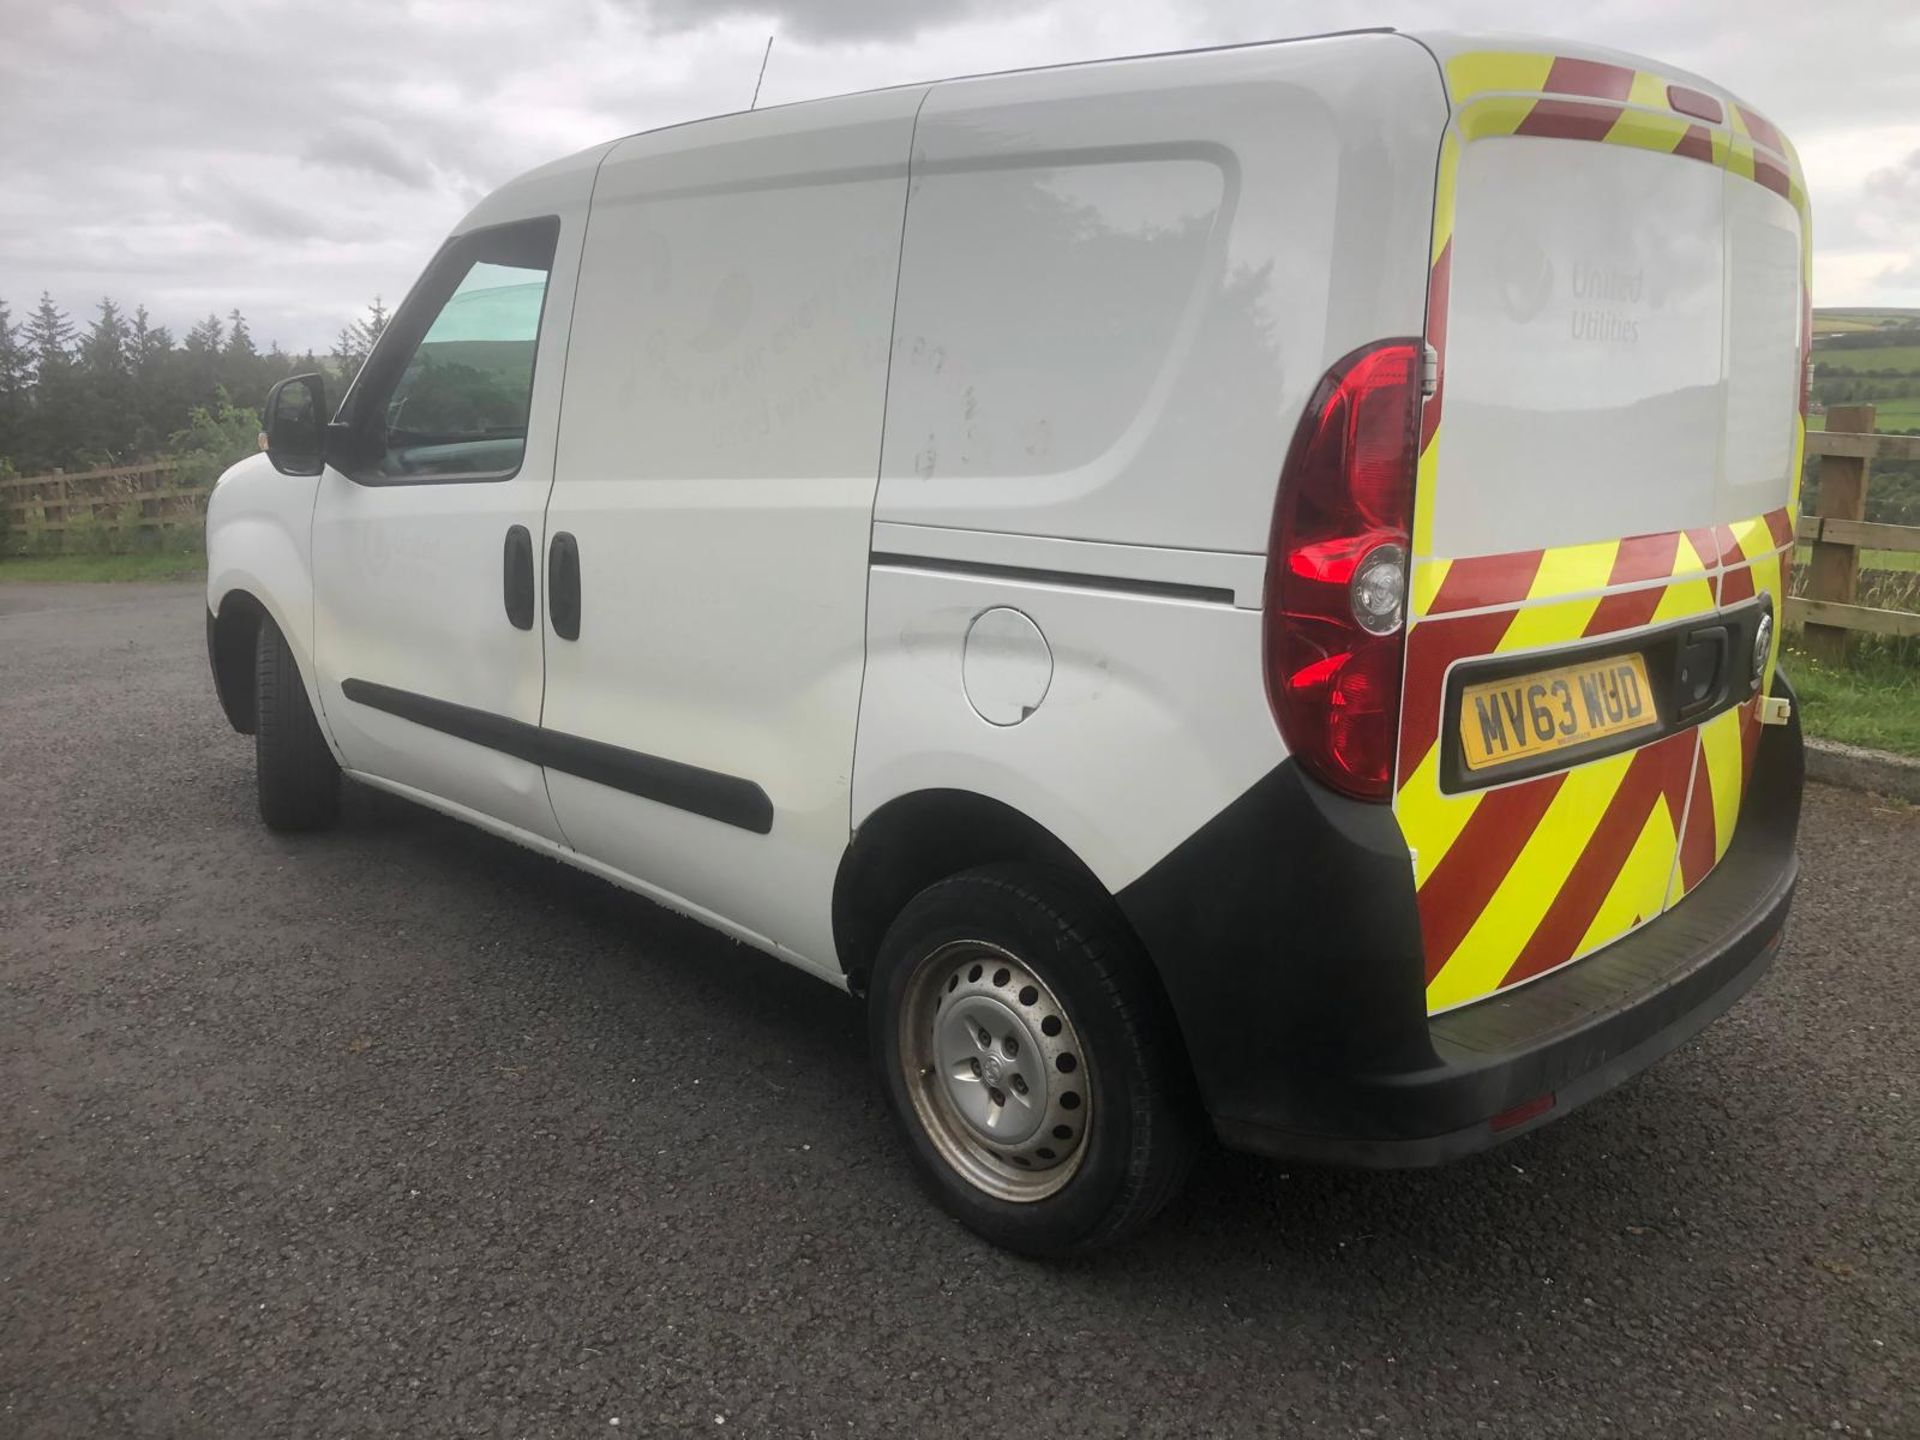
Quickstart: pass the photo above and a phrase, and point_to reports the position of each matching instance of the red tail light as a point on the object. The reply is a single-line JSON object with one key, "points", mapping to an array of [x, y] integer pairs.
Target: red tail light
{"points": [[1337, 570]]}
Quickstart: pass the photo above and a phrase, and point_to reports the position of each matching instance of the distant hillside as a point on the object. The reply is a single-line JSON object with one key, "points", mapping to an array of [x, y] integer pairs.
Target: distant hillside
{"points": [[1860, 319]]}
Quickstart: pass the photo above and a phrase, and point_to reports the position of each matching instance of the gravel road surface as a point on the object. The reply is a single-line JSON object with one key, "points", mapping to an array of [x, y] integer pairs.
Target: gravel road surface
{"points": [[403, 1130]]}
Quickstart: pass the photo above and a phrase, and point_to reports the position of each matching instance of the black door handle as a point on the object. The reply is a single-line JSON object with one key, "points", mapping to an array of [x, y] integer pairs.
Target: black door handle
{"points": [[563, 586], [517, 577]]}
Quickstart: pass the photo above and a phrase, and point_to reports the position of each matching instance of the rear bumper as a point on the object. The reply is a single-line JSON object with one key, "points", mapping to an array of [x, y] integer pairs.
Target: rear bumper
{"points": [[1301, 994]]}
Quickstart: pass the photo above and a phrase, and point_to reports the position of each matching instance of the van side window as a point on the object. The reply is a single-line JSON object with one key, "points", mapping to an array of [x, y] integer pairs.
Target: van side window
{"points": [[456, 406]]}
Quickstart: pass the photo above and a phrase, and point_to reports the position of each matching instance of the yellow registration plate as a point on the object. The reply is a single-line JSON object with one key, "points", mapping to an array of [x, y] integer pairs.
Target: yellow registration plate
{"points": [[1530, 715]]}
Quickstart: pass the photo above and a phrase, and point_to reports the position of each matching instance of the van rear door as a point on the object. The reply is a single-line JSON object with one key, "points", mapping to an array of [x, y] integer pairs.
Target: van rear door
{"points": [[1607, 485]]}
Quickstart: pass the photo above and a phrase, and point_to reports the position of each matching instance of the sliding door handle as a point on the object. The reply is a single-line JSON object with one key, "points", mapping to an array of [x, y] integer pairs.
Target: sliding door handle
{"points": [[517, 578], [563, 586]]}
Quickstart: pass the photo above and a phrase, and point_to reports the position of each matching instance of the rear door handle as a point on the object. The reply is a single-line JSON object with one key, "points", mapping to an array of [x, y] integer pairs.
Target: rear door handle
{"points": [[563, 586], [517, 577]]}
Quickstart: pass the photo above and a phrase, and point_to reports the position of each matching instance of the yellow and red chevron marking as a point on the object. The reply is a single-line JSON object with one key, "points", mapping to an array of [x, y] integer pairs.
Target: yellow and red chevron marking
{"points": [[1503, 92], [1520, 879], [1724, 750], [1517, 880]]}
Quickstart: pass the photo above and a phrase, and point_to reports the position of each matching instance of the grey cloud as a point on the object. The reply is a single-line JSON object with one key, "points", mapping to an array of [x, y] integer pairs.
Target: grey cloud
{"points": [[365, 145], [295, 159], [257, 209], [1897, 185], [828, 20]]}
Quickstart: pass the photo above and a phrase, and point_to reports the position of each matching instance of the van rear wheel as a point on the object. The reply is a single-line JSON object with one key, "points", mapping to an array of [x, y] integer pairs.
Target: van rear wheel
{"points": [[298, 777], [1024, 1049]]}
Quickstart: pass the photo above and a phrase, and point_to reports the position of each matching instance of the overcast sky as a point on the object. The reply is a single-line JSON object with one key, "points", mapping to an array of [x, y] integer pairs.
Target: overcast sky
{"points": [[295, 159]]}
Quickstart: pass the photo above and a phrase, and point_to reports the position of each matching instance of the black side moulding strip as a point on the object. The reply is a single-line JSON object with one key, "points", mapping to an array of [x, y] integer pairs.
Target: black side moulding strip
{"points": [[726, 798]]}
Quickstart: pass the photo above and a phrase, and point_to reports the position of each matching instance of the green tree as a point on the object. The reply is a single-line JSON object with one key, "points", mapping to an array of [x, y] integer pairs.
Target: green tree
{"points": [[112, 422], [56, 424], [14, 375]]}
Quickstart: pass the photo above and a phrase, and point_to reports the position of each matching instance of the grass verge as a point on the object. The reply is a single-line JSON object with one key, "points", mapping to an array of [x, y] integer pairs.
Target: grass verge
{"points": [[153, 565], [1873, 701]]}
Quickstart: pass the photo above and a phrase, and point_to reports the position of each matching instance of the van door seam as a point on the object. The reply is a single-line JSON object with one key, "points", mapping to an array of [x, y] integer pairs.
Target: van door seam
{"points": [[880, 463]]}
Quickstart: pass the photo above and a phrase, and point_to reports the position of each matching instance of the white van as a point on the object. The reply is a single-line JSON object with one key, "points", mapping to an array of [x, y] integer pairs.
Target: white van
{"points": [[1224, 591]]}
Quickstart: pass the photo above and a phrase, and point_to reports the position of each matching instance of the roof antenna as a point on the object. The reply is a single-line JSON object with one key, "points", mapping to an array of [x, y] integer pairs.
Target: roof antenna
{"points": [[763, 73]]}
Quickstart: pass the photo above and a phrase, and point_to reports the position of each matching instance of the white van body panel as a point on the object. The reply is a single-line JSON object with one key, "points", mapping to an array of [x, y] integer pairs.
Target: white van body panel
{"points": [[720, 449], [1120, 285], [264, 521], [409, 579], [1148, 728], [1122, 281]]}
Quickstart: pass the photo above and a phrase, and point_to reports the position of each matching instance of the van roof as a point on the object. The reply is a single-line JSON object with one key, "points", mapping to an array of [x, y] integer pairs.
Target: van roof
{"points": [[1441, 44]]}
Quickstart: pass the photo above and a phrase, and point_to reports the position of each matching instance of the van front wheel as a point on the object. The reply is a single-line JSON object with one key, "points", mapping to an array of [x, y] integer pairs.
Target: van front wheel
{"points": [[298, 778], [1024, 1049]]}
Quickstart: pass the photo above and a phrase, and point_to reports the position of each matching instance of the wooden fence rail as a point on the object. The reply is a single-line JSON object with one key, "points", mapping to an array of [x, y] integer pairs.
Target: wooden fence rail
{"points": [[1839, 531], [116, 505]]}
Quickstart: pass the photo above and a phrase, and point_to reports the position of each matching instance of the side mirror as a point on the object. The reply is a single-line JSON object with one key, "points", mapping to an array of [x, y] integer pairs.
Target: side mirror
{"points": [[295, 419]]}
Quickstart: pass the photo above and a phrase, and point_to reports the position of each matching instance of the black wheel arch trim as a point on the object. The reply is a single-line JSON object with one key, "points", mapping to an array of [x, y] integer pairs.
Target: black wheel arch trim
{"points": [[1287, 936]]}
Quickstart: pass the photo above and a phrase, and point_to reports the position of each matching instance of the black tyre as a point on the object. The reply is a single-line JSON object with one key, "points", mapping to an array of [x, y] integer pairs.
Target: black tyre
{"points": [[299, 779], [1024, 1048]]}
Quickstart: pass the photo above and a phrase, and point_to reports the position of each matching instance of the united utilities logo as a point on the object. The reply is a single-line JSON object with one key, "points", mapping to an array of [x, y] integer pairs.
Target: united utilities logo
{"points": [[1526, 282], [1607, 293]]}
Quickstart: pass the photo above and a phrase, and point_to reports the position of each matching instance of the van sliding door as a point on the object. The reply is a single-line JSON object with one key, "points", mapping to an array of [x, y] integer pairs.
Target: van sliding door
{"points": [[719, 453]]}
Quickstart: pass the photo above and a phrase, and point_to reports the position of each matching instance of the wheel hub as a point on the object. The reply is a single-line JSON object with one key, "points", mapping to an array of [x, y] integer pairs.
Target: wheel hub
{"points": [[997, 1071]]}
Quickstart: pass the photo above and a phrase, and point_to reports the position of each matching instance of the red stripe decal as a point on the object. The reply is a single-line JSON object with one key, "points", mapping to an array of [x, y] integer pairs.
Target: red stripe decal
{"points": [[1626, 611], [1696, 144], [1773, 176], [1659, 769], [1698, 104], [1762, 129], [1589, 77], [1736, 585], [1569, 120], [1431, 648], [1780, 527], [1728, 548], [1487, 580], [1696, 844], [1464, 881], [1749, 740], [1705, 544], [1439, 283], [1645, 557]]}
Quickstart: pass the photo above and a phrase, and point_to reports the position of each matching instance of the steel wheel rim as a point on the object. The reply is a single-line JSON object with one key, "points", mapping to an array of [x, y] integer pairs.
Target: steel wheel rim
{"points": [[999, 1078]]}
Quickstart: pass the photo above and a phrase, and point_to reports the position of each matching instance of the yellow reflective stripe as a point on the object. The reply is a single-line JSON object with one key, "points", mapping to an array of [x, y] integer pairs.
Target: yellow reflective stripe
{"points": [[1443, 193], [1635, 896], [1520, 903], [1753, 537], [1553, 623], [1684, 598], [1687, 559], [1423, 498], [1661, 131], [1650, 89], [1478, 71], [1429, 821], [1740, 158], [1428, 577], [1493, 116], [1720, 738], [1574, 569]]}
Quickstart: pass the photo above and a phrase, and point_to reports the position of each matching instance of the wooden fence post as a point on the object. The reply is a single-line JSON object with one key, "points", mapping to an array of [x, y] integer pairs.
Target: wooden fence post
{"points": [[1834, 571]]}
